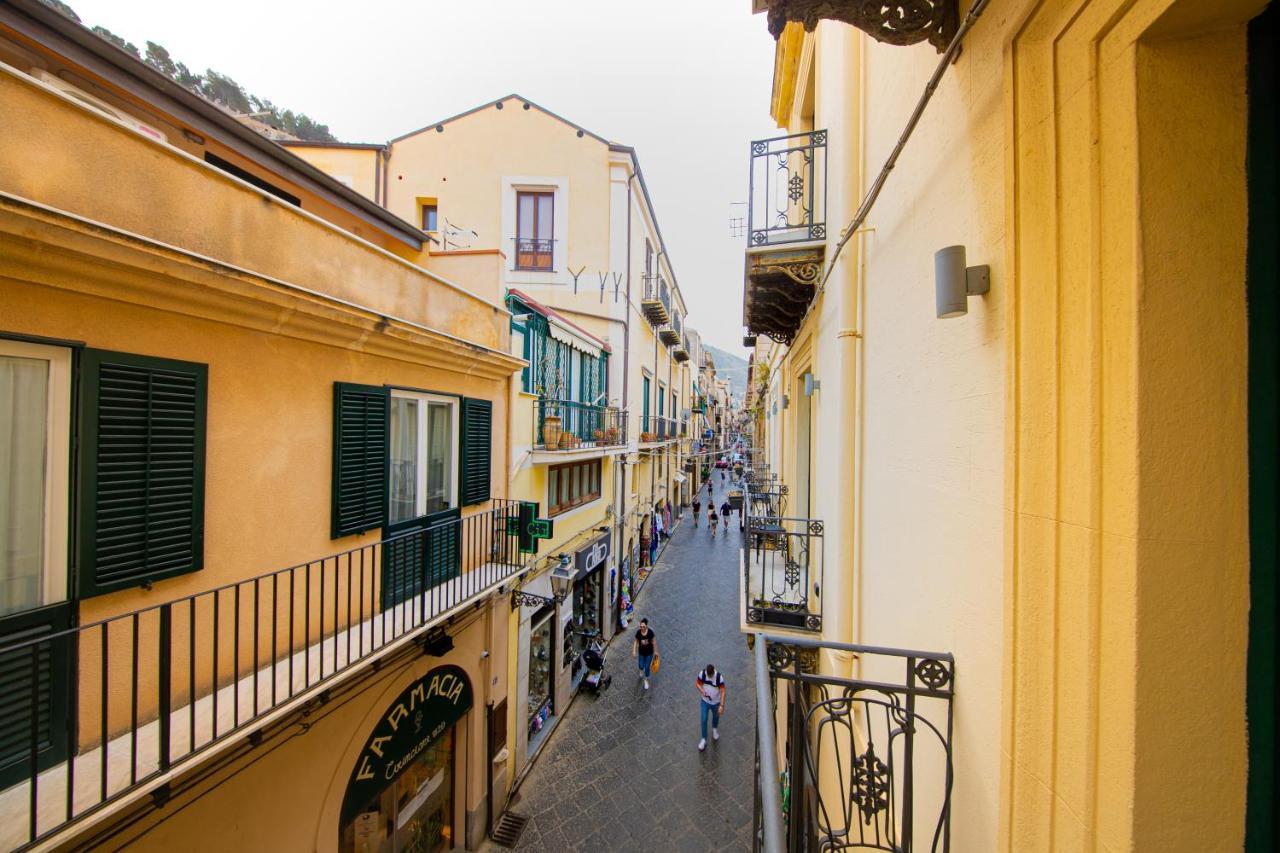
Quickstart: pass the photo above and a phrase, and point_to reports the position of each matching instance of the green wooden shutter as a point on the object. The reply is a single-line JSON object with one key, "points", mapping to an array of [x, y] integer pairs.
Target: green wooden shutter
{"points": [[50, 662], [420, 555], [360, 443], [142, 464], [475, 472]]}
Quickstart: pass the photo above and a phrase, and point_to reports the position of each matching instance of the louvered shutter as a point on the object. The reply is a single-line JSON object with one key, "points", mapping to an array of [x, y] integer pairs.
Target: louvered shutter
{"points": [[420, 555], [142, 463], [360, 424], [477, 443], [48, 662]]}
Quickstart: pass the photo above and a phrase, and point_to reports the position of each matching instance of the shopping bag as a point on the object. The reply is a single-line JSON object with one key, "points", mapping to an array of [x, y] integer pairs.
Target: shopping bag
{"points": [[654, 666]]}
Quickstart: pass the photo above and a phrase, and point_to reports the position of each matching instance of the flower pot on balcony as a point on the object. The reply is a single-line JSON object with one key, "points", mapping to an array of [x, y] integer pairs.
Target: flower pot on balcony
{"points": [[611, 435], [566, 440], [551, 430], [598, 435]]}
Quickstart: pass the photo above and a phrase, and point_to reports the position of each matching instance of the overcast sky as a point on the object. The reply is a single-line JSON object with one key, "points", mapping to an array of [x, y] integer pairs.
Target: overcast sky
{"points": [[684, 81]]}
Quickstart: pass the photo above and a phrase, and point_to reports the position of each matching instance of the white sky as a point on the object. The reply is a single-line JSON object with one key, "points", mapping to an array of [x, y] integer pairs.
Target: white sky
{"points": [[685, 81]]}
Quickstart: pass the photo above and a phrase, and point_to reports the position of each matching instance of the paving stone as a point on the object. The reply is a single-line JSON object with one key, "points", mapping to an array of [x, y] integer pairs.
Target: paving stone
{"points": [[622, 772]]}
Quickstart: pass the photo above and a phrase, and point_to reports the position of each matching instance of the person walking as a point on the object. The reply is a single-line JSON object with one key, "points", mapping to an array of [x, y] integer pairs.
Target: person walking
{"points": [[726, 510], [644, 647], [711, 696], [712, 519], [697, 510]]}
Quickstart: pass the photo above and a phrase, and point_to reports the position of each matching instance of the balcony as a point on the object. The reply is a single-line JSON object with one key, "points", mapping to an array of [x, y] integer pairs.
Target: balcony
{"points": [[655, 303], [787, 231], [657, 429], [218, 665], [681, 352], [567, 425], [782, 572], [669, 336], [868, 760], [534, 254]]}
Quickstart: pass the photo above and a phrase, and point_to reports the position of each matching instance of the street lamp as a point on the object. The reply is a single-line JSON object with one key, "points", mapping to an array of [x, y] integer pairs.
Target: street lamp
{"points": [[561, 586]]}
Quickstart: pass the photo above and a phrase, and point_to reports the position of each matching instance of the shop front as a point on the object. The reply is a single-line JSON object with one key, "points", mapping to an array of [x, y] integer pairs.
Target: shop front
{"points": [[586, 618], [402, 792]]}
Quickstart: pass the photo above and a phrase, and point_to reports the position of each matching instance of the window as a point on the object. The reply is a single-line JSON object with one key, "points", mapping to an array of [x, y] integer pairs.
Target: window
{"points": [[35, 437], [535, 230], [423, 473], [572, 485], [644, 407], [429, 218]]}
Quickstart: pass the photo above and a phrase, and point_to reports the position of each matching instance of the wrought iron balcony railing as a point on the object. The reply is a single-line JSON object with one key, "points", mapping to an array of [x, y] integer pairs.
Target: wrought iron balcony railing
{"points": [[782, 571], [787, 197], [534, 254], [656, 301], [657, 428], [569, 425], [155, 689], [868, 759]]}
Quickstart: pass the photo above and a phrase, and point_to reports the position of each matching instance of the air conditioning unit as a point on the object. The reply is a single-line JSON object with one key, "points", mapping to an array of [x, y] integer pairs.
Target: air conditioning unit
{"points": [[73, 91]]}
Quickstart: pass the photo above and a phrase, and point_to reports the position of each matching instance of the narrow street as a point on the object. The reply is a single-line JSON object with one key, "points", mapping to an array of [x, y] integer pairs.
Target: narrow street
{"points": [[623, 771]]}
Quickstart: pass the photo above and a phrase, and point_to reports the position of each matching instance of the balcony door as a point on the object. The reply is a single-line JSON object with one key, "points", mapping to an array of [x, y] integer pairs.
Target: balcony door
{"points": [[35, 482], [535, 230], [422, 506]]}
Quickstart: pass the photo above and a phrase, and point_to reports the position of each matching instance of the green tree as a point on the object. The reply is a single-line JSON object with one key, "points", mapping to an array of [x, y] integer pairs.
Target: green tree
{"points": [[159, 59], [221, 89], [129, 47]]}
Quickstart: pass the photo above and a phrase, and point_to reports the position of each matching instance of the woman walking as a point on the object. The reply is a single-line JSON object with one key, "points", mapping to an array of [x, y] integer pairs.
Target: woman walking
{"points": [[644, 647], [713, 519]]}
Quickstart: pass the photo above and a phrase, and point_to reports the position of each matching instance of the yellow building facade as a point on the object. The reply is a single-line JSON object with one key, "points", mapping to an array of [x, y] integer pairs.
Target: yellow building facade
{"points": [[257, 545], [600, 419], [1016, 486]]}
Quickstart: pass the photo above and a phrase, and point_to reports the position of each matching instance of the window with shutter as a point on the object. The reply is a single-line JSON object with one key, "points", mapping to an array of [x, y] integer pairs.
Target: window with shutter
{"points": [[477, 442], [359, 458], [47, 664], [142, 448]]}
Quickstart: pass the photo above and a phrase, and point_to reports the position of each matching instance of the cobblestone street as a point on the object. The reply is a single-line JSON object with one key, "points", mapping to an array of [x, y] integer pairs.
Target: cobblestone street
{"points": [[623, 772]]}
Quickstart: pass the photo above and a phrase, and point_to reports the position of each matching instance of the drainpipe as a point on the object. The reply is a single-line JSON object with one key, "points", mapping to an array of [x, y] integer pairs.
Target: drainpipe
{"points": [[845, 565], [620, 471]]}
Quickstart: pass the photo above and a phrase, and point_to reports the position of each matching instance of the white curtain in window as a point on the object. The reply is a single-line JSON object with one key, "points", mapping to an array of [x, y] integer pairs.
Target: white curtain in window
{"points": [[439, 455], [24, 408], [404, 459]]}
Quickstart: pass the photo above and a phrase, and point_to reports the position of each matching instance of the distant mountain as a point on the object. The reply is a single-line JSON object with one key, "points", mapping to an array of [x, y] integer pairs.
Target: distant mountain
{"points": [[731, 367]]}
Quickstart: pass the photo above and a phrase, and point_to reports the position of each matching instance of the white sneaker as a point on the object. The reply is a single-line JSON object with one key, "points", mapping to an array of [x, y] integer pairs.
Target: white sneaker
{"points": [[715, 734], [646, 684], [702, 744]]}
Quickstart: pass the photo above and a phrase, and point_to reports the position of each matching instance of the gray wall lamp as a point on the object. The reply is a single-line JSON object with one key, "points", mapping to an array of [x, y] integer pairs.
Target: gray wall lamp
{"points": [[954, 283]]}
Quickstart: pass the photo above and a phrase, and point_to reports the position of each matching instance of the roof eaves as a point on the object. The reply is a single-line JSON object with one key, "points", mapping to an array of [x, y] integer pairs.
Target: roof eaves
{"points": [[513, 96], [35, 20]]}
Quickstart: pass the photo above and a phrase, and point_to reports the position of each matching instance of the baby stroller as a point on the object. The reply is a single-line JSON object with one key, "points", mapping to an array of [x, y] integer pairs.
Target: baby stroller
{"points": [[596, 678]]}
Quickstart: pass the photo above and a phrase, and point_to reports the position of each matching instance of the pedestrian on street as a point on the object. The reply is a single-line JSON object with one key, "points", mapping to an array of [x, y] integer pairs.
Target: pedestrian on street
{"points": [[697, 510], [644, 646], [713, 519], [726, 509], [711, 694]]}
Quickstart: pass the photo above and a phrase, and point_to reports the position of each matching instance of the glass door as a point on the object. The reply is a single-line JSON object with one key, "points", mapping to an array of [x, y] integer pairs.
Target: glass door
{"points": [[414, 814]]}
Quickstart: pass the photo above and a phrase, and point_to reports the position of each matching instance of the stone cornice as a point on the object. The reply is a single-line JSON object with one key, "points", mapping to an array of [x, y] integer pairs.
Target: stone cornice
{"points": [[56, 249]]}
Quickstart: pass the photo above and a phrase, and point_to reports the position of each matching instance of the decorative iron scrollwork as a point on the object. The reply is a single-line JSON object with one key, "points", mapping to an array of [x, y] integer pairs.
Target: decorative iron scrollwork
{"points": [[815, 527], [791, 573], [520, 598], [900, 22], [869, 789], [933, 672]]}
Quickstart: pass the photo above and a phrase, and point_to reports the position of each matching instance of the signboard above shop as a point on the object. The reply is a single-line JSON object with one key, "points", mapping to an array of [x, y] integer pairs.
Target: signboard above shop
{"points": [[593, 555]]}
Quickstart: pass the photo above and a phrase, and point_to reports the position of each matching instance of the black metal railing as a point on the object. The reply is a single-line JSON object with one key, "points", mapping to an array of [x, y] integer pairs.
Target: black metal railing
{"points": [[658, 428], [153, 689], [868, 758], [534, 254], [782, 571], [569, 425], [787, 197]]}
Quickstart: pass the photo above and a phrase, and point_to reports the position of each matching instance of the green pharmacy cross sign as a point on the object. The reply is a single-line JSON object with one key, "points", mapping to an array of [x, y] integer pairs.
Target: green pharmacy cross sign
{"points": [[528, 528]]}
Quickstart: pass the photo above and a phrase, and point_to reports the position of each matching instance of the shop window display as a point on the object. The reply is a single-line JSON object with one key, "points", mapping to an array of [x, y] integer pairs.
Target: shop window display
{"points": [[540, 681], [414, 814], [586, 616]]}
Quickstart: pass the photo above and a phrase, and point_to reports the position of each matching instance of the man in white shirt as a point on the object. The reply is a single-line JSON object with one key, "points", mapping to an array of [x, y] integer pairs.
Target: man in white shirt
{"points": [[711, 694]]}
